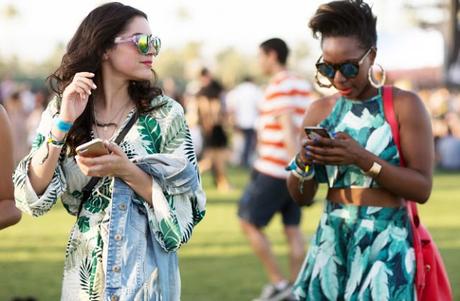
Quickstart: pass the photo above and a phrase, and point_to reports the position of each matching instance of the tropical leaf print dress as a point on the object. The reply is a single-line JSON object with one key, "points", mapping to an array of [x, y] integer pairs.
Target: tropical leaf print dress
{"points": [[170, 220], [359, 252]]}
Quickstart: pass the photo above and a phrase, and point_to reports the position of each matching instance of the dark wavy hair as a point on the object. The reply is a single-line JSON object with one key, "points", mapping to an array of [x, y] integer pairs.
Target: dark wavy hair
{"points": [[84, 53], [349, 18]]}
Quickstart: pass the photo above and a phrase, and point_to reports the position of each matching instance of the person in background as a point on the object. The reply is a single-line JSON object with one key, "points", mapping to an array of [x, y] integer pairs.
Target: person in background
{"points": [[33, 120], [171, 89], [448, 146], [212, 117], [7, 87], [18, 116], [242, 104], [281, 111]]}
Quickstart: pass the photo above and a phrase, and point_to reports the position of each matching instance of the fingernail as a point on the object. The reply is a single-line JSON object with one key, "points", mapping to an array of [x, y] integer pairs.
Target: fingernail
{"points": [[94, 86], [333, 134], [308, 154]]}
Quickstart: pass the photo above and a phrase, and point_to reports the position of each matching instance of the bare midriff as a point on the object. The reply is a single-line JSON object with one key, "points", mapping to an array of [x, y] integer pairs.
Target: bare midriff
{"points": [[364, 197]]}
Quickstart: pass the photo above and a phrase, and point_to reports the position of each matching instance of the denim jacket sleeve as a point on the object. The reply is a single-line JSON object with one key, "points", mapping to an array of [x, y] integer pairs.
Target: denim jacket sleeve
{"points": [[178, 200]]}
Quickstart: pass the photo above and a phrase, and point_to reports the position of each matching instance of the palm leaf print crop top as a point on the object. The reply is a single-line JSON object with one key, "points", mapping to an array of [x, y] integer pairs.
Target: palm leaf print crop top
{"points": [[365, 122]]}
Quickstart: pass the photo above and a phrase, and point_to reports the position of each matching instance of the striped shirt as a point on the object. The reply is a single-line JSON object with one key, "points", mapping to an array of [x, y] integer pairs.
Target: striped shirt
{"points": [[285, 94]]}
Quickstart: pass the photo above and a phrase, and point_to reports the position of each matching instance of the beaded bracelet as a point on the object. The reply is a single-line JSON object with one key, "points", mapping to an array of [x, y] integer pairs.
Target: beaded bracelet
{"points": [[303, 174], [51, 140], [299, 162], [62, 125]]}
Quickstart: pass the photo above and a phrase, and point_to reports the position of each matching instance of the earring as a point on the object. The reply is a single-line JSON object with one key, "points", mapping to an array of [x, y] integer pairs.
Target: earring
{"points": [[374, 76], [319, 83]]}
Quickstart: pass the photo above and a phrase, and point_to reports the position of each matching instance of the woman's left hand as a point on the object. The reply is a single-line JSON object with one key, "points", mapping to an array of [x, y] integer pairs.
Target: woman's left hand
{"points": [[343, 150], [115, 164]]}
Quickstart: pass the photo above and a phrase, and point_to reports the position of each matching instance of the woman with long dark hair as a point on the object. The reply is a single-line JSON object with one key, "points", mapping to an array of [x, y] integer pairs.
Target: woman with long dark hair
{"points": [[362, 249], [135, 204]]}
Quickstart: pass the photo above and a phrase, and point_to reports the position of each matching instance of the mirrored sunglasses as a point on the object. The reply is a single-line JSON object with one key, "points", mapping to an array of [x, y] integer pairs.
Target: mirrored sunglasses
{"points": [[145, 43], [348, 69]]}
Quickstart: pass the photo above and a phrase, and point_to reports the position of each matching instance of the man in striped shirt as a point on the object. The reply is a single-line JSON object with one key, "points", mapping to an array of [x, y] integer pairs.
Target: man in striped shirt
{"points": [[278, 129]]}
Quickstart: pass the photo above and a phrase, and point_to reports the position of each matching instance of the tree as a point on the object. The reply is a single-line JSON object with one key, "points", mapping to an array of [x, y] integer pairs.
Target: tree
{"points": [[452, 37], [232, 66]]}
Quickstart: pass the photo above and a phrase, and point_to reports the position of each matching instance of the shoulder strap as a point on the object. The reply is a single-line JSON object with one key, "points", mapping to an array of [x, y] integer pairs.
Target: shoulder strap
{"points": [[93, 181], [390, 116], [412, 210], [127, 127]]}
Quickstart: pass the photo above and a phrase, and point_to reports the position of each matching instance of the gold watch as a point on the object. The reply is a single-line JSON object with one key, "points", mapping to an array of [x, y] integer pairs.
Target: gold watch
{"points": [[374, 171]]}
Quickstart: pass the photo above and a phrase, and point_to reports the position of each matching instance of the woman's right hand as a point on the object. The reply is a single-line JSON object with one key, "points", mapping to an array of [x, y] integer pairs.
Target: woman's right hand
{"points": [[75, 96]]}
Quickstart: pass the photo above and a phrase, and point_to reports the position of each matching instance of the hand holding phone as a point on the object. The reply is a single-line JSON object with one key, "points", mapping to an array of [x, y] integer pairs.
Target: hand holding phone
{"points": [[93, 148], [316, 131]]}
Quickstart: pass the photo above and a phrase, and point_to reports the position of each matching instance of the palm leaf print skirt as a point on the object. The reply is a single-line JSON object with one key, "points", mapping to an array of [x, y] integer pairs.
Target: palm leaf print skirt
{"points": [[359, 253]]}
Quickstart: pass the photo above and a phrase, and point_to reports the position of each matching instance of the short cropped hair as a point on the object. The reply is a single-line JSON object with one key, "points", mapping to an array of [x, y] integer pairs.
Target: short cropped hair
{"points": [[279, 47], [347, 18]]}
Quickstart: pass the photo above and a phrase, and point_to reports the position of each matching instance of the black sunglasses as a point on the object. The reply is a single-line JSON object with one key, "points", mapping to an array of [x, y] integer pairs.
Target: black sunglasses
{"points": [[348, 69]]}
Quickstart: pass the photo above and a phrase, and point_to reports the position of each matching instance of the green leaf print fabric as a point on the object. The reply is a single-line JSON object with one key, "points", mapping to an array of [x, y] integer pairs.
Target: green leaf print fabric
{"points": [[359, 253], [171, 219], [365, 122]]}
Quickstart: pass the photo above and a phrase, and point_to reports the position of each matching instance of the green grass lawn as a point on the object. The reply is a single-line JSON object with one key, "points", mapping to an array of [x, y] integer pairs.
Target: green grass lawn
{"points": [[217, 264]]}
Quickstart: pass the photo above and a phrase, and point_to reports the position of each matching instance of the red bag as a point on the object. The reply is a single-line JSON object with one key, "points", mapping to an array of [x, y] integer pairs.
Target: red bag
{"points": [[431, 279]]}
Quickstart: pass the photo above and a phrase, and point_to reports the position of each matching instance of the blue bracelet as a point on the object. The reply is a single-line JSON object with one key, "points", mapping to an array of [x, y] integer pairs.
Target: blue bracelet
{"points": [[294, 167], [62, 125]]}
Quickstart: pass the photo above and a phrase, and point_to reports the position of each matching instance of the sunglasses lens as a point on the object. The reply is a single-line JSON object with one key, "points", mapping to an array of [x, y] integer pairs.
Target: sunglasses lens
{"points": [[349, 70], [143, 43], [326, 70], [156, 44]]}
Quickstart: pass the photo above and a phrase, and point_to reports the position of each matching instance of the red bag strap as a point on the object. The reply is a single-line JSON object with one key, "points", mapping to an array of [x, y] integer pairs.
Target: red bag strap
{"points": [[390, 116]]}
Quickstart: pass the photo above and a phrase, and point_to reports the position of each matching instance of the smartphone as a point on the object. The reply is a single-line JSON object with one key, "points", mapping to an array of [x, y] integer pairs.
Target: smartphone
{"points": [[316, 131], [93, 148]]}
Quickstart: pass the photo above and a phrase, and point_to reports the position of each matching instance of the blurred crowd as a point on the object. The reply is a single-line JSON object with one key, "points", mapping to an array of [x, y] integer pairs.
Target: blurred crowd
{"points": [[24, 106], [223, 121], [444, 108]]}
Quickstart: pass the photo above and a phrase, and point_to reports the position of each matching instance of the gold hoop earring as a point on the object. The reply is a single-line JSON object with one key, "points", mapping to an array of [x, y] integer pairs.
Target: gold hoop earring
{"points": [[319, 83], [371, 76]]}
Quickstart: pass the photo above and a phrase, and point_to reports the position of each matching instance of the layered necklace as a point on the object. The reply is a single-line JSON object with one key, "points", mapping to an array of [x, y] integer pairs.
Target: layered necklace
{"points": [[111, 123]]}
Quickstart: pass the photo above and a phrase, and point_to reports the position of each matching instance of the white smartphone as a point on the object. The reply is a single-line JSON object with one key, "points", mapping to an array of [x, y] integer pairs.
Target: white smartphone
{"points": [[93, 148], [316, 131]]}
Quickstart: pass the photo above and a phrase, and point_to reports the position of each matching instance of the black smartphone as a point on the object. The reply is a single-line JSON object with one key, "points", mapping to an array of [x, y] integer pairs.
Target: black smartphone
{"points": [[316, 131]]}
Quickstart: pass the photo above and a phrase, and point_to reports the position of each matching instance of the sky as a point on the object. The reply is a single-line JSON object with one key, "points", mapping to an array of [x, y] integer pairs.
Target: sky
{"points": [[40, 25]]}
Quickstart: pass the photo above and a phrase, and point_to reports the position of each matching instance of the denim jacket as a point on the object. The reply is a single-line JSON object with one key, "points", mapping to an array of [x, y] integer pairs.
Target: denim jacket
{"points": [[120, 246], [175, 176]]}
